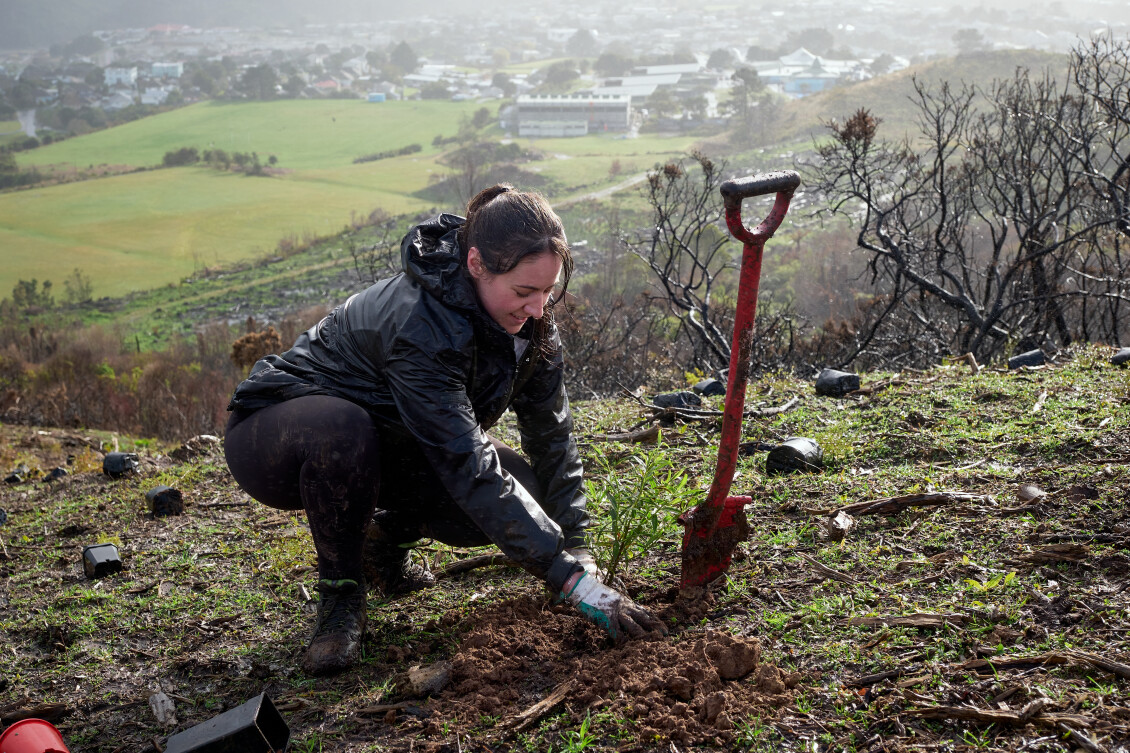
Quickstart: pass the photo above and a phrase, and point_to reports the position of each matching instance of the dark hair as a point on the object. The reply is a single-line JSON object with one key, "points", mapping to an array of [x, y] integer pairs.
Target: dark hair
{"points": [[507, 226]]}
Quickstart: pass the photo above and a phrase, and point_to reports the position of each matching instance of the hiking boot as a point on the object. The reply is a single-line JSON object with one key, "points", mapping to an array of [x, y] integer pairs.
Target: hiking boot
{"points": [[336, 643], [389, 567]]}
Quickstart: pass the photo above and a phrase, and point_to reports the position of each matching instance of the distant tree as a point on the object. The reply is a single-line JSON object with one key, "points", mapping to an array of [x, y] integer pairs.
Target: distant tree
{"points": [[500, 57], [187, 155], [502, 81], [376, 58], [22, 95], [203, 81], [404, 58], [969, 40], [757, 52], [294, 86], [582, 44], [434, 90], [881, 64], [84, 45], [482, 118], [559, 75], [816, 40], [259, 82], [612, 64], [28, 294], [661, 104], [78, 287], [721, 58]]}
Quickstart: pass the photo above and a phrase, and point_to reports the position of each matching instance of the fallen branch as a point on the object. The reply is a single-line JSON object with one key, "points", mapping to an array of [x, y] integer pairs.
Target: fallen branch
{"points": [[875, 679], [828, 572], [384, 708], [1056, 553], [472, 563], [1079, 738], [539, 709], [1075, 658], [643, 436], [912, 620], [698, 414], [889, 505], [48, 712], [1032, 713]]}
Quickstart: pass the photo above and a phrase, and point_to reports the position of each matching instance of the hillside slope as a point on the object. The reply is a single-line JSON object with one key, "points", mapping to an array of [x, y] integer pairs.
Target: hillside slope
{"points": [[981, 602]]}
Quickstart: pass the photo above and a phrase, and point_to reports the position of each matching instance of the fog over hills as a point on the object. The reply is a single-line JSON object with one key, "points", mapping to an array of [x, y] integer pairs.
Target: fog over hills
{"points": [[39, 23], [35, 23]]}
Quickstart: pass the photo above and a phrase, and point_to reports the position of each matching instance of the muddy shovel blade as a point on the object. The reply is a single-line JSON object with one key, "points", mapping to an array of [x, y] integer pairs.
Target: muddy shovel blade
{"points": [[708, 548]]}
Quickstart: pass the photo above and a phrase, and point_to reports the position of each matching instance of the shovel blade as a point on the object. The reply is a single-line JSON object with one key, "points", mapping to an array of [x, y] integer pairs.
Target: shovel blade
{"points": [[708, 547]]}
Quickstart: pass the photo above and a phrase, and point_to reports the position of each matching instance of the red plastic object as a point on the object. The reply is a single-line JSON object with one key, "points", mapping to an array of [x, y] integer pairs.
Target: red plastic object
{"points": [[714, 528], [32, 736]]}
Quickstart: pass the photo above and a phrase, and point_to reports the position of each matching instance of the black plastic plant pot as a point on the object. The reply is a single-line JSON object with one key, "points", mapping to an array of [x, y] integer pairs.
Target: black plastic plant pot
{"points": [[254, 727], [164, 501], [1031, 358], [836, 383], [118, 464], [794, 455], [710, 388], [100, 560]]}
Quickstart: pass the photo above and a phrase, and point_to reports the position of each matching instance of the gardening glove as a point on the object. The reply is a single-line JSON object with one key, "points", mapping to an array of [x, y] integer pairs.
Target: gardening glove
{"points": [[609, 609], [584, 558]]}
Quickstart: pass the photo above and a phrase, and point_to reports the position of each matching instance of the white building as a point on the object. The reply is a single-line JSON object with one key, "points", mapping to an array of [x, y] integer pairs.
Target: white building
{"points": [[166, 70], [121, 76], [550, 116]]}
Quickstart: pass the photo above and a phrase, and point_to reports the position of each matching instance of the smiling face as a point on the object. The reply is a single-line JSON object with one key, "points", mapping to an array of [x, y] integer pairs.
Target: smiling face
{"points": [[520, 294]]}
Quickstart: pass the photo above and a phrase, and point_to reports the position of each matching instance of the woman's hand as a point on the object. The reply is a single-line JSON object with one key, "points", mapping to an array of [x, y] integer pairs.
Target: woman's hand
{"points": [[584, 558], [620, 617]]}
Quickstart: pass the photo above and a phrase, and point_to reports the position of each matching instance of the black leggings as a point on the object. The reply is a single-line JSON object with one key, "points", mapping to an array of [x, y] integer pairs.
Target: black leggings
{"points": [[324, 455]]}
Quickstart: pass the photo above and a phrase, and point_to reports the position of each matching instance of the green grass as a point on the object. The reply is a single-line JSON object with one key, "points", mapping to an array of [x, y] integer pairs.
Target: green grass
{"points": [[303, 134], [146, 229]]}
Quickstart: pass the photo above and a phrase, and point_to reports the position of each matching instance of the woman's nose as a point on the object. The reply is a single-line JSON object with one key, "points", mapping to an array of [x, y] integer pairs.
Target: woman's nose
{"points": [[536, 307]]}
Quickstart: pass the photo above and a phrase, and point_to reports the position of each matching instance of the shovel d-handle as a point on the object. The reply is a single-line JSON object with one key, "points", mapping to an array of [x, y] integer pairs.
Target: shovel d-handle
{"points": [[715, 527]]}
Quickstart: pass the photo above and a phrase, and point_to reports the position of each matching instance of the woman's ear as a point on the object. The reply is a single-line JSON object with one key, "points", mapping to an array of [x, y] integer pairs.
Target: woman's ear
{"points": [[475, 263]]}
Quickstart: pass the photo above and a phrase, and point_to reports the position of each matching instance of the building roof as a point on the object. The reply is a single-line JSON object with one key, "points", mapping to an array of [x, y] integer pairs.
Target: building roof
{"points": [[618, 98]]}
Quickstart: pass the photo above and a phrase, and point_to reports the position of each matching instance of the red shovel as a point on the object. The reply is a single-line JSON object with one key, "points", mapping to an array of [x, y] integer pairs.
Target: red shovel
{"points": [[714, 528]]}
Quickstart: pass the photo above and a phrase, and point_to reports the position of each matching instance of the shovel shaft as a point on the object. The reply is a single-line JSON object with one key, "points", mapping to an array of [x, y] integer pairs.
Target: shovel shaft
{"points": [[703, 521]]}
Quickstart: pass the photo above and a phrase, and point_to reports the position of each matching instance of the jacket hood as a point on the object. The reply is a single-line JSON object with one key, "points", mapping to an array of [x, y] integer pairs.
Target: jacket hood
{"points": [[431, 256]]}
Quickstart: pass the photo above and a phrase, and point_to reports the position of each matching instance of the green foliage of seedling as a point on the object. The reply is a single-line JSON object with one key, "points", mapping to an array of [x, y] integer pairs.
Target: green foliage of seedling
{"points": [[634, 507], [577, 740], [1000, 581]]}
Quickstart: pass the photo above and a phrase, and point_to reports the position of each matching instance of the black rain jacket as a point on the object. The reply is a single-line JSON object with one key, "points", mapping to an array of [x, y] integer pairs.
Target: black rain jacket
{"points": [[420, 354]]}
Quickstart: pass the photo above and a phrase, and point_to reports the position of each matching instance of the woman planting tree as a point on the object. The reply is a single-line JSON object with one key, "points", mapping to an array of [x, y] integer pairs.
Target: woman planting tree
{"points": [[375, 423]]}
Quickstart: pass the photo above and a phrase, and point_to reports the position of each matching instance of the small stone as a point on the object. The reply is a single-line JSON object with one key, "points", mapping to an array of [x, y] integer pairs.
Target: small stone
{"points": [[430, 679], [1121, 358], [163, 708]]}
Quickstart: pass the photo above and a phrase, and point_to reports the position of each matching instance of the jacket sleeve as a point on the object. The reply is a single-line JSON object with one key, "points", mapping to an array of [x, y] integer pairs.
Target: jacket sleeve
{"points": [[546, 427], [428, 386]]}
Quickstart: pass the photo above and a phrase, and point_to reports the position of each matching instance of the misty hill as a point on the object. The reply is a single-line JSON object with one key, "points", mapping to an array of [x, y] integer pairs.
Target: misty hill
{"points": [[889, 97], [31, 23]]}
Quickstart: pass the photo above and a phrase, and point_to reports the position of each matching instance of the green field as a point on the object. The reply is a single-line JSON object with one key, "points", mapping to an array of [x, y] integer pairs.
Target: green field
{"points": [[149, 228]]}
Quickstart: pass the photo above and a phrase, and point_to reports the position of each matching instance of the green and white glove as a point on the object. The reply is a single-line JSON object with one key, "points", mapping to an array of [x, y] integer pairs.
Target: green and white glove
{"points": [[611, 610]]}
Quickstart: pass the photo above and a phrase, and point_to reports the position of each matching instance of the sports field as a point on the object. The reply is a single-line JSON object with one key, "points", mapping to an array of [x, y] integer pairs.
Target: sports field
{"points": [[145, 229]]}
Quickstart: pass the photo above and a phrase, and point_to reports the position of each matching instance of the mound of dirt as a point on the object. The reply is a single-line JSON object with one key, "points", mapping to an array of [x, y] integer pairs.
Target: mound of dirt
{"points": [[687, 688]]}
